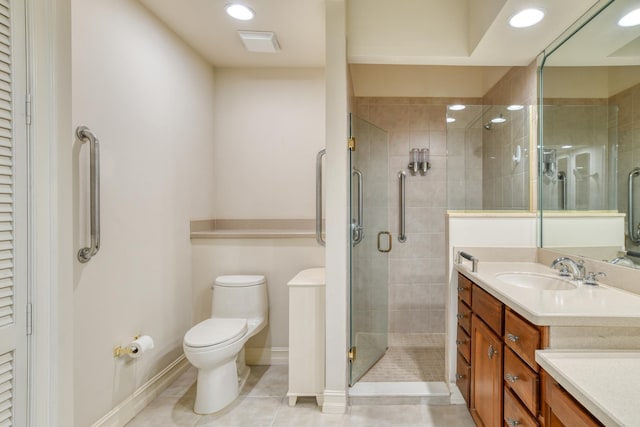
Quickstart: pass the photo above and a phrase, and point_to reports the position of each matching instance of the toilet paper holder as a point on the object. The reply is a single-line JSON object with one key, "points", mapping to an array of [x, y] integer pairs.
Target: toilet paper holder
{"points": [[132, 349]]}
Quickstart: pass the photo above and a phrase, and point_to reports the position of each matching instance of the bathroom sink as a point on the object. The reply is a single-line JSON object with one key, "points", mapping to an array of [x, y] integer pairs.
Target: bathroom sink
{"points": [[543, 282]]}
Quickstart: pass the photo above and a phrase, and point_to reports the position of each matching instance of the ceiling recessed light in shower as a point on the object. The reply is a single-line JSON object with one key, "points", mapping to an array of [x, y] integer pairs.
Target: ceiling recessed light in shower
{"points": [[457, 107], [498, 119], [526, 18], [450, 119], [631, 19], [515, 107], [239, 12]]}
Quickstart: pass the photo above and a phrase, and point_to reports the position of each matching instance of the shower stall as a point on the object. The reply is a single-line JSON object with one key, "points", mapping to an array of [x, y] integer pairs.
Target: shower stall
{"points": [[416, 158]]}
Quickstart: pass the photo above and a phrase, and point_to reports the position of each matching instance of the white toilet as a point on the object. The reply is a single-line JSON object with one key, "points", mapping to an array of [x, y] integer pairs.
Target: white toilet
{"points": [[239, 310]]}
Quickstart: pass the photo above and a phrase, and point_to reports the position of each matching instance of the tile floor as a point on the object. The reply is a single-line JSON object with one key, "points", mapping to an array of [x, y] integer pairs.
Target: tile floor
{"points": [[263, 402], [410, 357]]}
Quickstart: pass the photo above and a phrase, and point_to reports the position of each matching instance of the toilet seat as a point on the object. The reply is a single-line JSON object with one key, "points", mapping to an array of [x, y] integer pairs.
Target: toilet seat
{"points": [[215, 331]]}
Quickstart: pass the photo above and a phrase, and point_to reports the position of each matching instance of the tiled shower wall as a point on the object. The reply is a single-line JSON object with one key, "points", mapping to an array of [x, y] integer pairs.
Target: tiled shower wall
{"points": [[417, 271]]}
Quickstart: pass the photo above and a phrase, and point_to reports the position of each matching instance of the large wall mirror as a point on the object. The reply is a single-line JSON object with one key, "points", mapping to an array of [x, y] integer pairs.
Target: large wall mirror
{"points": [[589, 158]]}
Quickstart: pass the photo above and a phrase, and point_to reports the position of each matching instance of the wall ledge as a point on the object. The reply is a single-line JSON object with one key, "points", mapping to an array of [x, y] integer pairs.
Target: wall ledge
{"points": [[252, 228]]}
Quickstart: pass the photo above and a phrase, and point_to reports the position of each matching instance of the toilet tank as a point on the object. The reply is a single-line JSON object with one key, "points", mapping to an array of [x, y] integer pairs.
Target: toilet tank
{"points": [[240, 297]]}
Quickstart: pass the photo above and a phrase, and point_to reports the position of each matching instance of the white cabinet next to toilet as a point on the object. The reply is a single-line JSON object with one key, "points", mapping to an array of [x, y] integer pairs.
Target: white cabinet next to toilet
{"points": [[306, 335]]}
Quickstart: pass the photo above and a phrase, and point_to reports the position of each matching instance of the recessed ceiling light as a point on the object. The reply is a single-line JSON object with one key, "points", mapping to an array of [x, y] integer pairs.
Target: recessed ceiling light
{"points": [[450, 119], [631, 19], [498, 119], [240, 12], [515, 107], [526, 18], [457, 107], [567, 146]]}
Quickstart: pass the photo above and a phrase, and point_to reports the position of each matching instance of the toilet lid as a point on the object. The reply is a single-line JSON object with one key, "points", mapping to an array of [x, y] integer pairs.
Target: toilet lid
{"points": [[215, 331]]}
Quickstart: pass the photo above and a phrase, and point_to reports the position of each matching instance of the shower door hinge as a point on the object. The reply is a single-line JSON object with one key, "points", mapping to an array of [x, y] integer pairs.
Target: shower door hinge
{"points": [[29, 319], [28, 109], [351, 143], [352, 354]]}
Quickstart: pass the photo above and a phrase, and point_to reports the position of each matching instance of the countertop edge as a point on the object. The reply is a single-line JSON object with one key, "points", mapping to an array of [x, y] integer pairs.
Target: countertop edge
{"points": [[604, 416]]}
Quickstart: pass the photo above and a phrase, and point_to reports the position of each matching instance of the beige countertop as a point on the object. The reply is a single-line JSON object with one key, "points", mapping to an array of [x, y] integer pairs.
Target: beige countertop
{"points": [[606, 383], [583, 306]]}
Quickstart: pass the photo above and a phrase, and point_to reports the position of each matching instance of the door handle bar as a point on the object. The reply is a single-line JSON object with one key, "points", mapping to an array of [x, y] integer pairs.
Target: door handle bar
{"points": [[319, 237]]}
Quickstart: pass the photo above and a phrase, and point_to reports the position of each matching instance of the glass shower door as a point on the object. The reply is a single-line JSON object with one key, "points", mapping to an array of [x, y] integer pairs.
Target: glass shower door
{"points": [[370, 246]]}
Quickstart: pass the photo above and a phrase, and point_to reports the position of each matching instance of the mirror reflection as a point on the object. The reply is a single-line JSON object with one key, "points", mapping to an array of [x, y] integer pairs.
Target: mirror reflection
{"points": [[590, 135], [490, 146]]}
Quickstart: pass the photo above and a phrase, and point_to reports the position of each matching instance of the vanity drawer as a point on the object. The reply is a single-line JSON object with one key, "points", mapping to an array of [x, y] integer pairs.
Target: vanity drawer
{"points": [[464, 289], [464, 316], [463, 342], [515, 414], [522, 337], [463, 377], [522, 380], [489, 309]]}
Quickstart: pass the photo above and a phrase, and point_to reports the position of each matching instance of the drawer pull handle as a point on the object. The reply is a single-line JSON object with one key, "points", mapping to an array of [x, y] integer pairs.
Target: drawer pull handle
{"points": [[459, 376], [460, 342], [511, 378], [492, 351], [512, 423], [460, 316], [462, 289], [513, 338]]}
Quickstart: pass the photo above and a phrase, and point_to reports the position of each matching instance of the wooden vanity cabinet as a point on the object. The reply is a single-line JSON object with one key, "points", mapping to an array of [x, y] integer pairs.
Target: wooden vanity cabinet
{"points": [[497, 349], [560, 409], [463, 339]]}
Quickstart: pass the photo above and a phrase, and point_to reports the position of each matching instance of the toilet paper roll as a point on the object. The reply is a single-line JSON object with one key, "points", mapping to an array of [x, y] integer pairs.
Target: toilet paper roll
{"points": [[139, 346]]}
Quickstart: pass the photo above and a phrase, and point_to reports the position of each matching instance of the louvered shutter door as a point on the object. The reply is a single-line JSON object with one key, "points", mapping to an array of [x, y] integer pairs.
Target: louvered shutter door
{"points": [[6, 214]]}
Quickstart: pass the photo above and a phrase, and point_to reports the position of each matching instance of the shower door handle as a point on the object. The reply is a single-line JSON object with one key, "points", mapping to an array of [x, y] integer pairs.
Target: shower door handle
{"points": [[357, 224], [319, 157], [634, 233], [389, 241], [85, 135]]}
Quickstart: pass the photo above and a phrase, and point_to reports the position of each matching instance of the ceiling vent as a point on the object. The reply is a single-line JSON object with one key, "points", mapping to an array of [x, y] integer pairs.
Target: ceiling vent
{"points": [[260, 41]]}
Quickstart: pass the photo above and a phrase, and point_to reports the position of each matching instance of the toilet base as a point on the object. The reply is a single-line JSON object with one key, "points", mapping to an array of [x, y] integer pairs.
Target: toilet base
{"points": [[217, 388]]}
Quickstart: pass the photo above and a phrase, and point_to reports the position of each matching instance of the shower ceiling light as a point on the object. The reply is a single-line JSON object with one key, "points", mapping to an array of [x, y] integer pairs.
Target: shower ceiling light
{"points": [[515, 107], [457, 107], [526, 18], [240, 12], [631, 19], [498, 119], [450, 119]]}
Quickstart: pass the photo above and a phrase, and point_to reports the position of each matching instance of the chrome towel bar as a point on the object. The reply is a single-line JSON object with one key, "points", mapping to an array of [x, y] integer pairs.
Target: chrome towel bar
{"points": [[85, 135], [402, 176], [634, 232], [474, 260]]}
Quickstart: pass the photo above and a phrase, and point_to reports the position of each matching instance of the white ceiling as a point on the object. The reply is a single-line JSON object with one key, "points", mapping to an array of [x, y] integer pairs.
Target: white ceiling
{"points": [[418, 32]]}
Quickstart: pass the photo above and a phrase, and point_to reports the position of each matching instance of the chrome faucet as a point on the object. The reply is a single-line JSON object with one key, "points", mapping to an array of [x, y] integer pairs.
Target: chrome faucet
{"points": [[577, 268]]}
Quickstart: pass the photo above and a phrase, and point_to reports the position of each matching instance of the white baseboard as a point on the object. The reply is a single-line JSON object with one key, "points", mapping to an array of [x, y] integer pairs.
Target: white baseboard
{"points": [[334, 402], [130, 407], [456, 396], [267, 356]]}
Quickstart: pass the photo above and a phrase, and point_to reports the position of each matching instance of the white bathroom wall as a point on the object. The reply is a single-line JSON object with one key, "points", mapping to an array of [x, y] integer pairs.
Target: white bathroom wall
{"points": [[149, 98], [269, 125], [278, 259]]}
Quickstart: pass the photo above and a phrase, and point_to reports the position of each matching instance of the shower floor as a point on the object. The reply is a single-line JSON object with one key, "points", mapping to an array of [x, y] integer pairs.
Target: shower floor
{"points": [[410, 358]]}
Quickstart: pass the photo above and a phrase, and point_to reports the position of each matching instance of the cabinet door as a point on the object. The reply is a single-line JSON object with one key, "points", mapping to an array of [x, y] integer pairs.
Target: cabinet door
{"points": [[486, 366]]}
